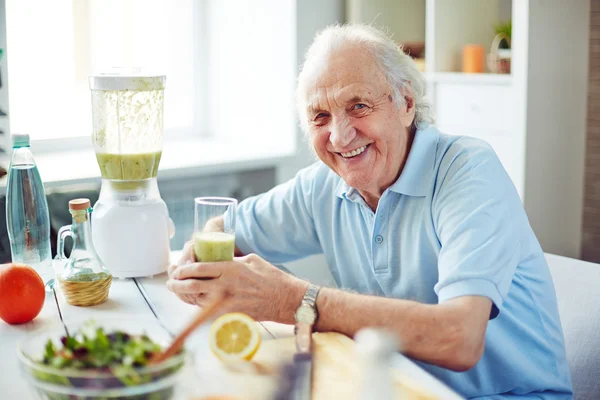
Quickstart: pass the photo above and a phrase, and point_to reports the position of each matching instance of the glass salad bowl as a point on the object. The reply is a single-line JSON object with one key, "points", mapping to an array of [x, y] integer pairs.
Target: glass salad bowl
{"points": [[101, 359]]}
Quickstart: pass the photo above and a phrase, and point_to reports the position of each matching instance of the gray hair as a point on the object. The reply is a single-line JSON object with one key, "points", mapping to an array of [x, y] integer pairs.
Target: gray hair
{"points": [[401, 71]]}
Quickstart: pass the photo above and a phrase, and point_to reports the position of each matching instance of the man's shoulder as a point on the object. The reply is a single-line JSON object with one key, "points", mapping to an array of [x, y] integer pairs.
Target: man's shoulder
{"points": [[460, 152], [452, 146], [471, 164]]}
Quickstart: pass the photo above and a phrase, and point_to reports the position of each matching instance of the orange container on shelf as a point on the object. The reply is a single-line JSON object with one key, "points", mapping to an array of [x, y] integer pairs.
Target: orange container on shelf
{"points": [[473, 58]]}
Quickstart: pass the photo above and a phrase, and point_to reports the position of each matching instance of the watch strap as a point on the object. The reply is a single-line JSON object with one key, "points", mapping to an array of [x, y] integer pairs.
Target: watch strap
{"points": [[310, 296]]}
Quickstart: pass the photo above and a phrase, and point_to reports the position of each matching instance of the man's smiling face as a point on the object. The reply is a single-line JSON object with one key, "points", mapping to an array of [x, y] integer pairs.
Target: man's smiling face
{"points": [[354, 124]]}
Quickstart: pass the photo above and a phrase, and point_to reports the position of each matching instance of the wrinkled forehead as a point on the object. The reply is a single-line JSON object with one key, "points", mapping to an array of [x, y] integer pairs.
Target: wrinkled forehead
{"points": [[340, 96], [346, 73]]}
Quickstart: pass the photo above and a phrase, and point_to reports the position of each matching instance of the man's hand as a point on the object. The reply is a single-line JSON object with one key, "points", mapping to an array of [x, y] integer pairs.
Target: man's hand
{"points": [[256, 287], [188, 257]]}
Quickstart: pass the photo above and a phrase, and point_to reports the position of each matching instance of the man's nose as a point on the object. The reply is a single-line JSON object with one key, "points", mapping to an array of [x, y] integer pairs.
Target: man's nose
{"points": [[342, 134]]}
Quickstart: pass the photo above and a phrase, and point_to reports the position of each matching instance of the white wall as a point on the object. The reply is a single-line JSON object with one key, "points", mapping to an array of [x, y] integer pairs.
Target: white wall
{"points": [[252, 87], [557, 56], [405, 19], [312, 16]]}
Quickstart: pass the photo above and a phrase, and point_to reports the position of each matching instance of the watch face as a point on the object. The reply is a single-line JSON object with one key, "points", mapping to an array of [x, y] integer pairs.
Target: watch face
{"points": [[306, 314]]}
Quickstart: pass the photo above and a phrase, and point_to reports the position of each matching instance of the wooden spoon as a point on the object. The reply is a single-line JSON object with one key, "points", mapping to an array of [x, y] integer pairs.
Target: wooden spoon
{"points": [[204, 314]]}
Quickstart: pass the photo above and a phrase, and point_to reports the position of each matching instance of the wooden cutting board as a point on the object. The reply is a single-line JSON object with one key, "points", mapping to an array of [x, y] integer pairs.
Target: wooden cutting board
{"points": [[336, 369]]}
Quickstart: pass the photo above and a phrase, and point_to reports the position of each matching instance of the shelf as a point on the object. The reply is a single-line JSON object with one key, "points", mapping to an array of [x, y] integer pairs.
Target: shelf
{"points": [[459, 77], [180, 159]]}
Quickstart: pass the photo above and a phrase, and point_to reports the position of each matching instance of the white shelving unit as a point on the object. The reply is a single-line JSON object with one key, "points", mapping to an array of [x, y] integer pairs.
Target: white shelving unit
{"points": [[453, 24], [459, 77], [534, 117]]}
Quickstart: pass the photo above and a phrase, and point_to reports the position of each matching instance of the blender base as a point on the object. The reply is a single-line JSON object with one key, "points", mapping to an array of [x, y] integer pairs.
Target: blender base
{"points": [[132, 240]]}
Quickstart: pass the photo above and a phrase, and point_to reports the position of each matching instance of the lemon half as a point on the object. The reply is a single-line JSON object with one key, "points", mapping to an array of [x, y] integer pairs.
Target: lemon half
{"points": [[234, 337]]}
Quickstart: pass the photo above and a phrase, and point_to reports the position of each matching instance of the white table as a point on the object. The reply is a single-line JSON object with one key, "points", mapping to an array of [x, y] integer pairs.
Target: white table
{"points": [[149, 298]]}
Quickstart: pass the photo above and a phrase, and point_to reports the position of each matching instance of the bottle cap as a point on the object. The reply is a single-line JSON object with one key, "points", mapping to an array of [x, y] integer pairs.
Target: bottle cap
{"points": [[20, 139], [79, 204]]}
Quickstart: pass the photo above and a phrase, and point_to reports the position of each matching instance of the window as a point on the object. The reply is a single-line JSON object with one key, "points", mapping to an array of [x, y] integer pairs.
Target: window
{"points": [[55, 45], [251, 66], [230, 64]]}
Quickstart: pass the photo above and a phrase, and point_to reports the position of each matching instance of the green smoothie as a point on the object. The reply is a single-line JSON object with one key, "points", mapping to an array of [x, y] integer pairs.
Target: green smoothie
{"points": [[128, 167], [214, 246]]}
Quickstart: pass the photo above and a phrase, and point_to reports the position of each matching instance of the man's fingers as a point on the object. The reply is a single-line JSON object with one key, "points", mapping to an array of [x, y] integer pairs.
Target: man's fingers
{"points": [[189, 286], [201, 270], [188, 298], [248, 258], [187, 256]]}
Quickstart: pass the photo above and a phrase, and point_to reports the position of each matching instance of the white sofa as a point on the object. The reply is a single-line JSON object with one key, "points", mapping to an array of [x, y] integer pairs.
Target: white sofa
{"points": [[577, 286]]}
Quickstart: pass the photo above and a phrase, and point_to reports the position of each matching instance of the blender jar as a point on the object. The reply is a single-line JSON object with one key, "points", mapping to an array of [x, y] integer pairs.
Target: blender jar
{"points": [[127, 114]]}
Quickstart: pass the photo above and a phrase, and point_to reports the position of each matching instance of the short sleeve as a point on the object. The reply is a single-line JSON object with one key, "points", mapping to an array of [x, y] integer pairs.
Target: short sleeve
{"points": [[478, 217], [278, 225]]}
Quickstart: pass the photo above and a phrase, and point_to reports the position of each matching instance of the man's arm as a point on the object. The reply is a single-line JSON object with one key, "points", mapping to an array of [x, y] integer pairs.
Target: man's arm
{"points": [[450, 334]]}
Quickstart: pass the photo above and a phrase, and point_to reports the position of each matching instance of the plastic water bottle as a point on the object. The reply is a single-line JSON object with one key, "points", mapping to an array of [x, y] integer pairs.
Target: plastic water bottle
{"points": [[27, 216]]}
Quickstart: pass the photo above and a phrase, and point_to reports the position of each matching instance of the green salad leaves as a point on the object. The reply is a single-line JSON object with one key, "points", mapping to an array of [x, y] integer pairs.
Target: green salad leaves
{"points": [[95, 349]]}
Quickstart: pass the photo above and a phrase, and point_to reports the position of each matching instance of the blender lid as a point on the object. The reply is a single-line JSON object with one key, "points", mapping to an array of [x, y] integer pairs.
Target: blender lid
{"points": [[127, 81]]}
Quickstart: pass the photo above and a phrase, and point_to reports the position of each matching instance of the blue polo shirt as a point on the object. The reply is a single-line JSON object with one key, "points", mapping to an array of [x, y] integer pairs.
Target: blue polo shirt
{"points": [[451, 225]]}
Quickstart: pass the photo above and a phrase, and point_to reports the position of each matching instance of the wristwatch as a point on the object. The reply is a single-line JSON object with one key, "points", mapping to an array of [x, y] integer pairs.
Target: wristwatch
{"points": [[307, 311]]}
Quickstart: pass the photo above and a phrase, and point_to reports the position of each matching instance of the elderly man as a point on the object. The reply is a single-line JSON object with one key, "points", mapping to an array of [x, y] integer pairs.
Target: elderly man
{"points": [[424, 233]]}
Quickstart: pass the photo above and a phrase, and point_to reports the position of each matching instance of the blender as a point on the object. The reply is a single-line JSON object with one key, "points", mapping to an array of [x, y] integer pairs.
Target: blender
{"points": [[131, 227]]}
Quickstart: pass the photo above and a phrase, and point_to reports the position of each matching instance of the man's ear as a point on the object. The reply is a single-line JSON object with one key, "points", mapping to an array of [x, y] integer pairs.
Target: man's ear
{"points": [[410, 103], [407, 111]]}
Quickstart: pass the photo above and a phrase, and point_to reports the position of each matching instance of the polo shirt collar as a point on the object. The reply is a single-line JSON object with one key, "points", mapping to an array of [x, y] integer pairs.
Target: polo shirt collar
{"points": [[415, 179]]}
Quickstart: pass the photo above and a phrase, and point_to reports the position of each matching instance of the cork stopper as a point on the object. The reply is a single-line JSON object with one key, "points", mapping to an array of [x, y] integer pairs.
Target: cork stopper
{"points": [[79, 204]]}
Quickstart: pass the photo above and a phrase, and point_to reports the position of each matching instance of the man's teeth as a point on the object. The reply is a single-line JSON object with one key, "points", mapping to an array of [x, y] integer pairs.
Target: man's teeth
{"points": [[354, 152]]}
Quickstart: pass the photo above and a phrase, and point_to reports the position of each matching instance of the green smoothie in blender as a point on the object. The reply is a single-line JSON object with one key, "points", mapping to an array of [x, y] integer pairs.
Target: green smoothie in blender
{"points": [[128, 167]]}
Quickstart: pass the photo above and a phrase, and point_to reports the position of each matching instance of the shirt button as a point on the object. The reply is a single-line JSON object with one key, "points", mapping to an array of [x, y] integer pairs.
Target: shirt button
{"points": [[378, 239]]}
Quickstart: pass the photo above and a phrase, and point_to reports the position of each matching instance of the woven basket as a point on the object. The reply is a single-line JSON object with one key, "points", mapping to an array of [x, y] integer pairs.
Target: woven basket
{"points": [[499, 63], [86, 294]]}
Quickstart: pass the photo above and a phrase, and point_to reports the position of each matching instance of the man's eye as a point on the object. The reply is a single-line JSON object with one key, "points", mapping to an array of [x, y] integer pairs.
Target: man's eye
{"points": [[320, 119], [359, 106]]}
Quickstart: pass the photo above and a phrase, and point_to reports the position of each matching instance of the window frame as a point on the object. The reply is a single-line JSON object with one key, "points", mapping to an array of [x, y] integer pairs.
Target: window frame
{"points": [[198, 130]]}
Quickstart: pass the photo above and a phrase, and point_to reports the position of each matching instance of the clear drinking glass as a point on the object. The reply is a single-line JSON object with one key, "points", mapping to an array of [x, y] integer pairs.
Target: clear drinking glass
{"points": [[214, 228]]}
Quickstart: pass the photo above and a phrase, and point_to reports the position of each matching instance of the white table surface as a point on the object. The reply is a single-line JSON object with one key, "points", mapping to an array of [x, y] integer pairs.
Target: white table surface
{"points": [[207, 376]]}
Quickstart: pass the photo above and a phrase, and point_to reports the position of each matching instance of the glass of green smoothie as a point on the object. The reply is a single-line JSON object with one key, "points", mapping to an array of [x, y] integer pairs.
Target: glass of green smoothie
{"points": [[214, 228]]}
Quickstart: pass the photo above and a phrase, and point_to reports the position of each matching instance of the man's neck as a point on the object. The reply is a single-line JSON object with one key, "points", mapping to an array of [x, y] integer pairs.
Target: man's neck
{"points": [[372, 198]]}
